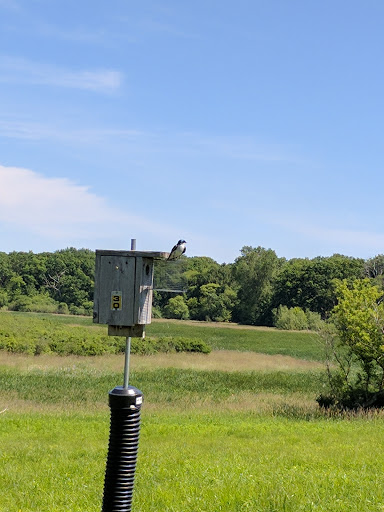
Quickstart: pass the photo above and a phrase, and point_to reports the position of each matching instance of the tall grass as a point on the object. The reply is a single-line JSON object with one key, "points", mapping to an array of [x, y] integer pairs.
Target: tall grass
{"points": [[76, 386]]}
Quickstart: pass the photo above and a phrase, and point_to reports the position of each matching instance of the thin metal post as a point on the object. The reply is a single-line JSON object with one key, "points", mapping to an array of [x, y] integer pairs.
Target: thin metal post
{"points": [[128, 341], [126, 362]]}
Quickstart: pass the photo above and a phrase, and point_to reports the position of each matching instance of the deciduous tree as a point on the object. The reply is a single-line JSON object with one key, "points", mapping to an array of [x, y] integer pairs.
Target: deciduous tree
{"points": [[255, 272], [357, 345]]}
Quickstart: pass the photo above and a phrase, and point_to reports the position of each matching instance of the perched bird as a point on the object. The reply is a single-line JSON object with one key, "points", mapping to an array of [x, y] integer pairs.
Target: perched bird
{"points": [[177, 250]]}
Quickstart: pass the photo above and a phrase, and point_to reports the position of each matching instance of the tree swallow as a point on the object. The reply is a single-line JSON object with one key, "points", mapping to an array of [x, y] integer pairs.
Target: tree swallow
{"points": [[177, 250]]}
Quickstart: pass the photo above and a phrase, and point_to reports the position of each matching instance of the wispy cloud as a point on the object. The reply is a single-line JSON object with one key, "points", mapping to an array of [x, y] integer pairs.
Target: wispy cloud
{"points": [[167, 28], [237, 148], [80, 34], [40, 131], [22, 71], [24, 130], [241, 147]]}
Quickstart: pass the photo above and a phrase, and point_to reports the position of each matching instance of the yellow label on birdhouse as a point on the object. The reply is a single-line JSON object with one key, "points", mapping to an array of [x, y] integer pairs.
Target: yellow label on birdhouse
{"points": [[116, 301]]}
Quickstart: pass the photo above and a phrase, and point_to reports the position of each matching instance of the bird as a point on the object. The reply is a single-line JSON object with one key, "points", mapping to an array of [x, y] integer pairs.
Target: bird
{"points": [[177, 250]]}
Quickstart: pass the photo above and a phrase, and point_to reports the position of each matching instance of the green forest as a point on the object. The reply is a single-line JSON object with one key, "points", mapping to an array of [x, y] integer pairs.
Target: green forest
{"points": [[259, 288]]}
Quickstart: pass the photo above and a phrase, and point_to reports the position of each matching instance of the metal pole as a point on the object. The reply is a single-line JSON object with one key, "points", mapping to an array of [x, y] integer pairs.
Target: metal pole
{"points": [[126, 362], [128, 341]]}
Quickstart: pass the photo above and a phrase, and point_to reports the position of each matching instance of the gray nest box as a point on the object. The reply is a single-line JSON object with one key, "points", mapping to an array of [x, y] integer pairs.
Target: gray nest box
{"points": [[123, 290]]}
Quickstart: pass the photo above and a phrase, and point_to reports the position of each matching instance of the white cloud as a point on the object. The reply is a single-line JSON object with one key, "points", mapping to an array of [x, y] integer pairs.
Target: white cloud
{"points": [[45, 214], [18, 70], [58, 209]]}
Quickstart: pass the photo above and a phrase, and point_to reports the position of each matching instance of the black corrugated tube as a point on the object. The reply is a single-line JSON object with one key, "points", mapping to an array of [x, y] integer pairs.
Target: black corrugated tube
{"points": [[125, 404]]}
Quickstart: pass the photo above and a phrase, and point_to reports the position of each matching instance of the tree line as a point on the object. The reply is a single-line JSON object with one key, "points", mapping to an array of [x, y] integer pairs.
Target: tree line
{"points": [[255, 289]]}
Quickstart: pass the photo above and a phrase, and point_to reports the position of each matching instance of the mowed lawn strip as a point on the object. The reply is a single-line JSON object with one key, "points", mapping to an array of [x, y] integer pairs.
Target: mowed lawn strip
{"points": [[195, 461]]}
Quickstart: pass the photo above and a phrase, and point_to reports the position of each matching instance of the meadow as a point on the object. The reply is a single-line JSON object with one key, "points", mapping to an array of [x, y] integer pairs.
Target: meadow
{"points": [[237, 429]]}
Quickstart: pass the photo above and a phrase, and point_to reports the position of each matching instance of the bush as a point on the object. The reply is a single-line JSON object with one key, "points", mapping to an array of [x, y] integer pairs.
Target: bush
{"points": [[88, 307], [314, 320], [296, 319], [290, 318], [3, 298], [76, 310], [34, 304], [63, 309], [40, 303], [22, 303], [177, 308]]}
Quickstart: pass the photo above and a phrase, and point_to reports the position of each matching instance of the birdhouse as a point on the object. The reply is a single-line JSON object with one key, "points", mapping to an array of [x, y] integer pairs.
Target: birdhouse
{"points": [[123, 290]]}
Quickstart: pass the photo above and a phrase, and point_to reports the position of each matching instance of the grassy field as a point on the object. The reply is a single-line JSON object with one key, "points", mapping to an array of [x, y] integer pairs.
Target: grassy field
{"points": [[23, 332], [266, 340], [234, 430]]}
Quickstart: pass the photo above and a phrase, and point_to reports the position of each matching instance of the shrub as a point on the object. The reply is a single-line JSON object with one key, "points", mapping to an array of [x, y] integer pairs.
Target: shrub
{"points": [[3, 298], [88, 307], [22, 303], [290, 318], [177, 308], [63, 309], [314, 320], [76, 310], [40, 303]]}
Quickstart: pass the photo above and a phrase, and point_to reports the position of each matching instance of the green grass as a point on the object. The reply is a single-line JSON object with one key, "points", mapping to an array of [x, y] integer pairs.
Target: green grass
{"points": [[242, 462], [47, 334], [211, 440], [163, 386], [304, 345], [196, 462], [52, 462]]}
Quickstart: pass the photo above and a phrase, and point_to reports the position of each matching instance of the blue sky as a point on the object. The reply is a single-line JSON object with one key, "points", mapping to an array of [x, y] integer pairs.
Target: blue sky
{"points": [[224, 123]]}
